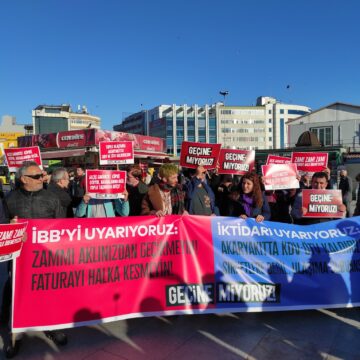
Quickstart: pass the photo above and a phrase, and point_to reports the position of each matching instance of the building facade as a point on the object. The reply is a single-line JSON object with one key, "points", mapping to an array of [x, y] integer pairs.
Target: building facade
{"points": [[134, 124], [54, 118], [257, 127], [239, 127], [337, 124]]}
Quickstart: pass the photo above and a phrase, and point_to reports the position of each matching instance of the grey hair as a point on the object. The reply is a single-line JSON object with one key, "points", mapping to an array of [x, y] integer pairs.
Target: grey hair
{"points": [[24, 166], [58, 174]]}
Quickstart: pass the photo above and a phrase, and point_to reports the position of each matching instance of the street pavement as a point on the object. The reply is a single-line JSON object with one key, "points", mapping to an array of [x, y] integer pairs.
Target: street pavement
{"points": [[322, 334]]}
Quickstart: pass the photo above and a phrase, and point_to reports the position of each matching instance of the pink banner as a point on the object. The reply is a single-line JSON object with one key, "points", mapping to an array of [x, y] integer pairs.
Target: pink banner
{"points": [[280, 176], [16, 156], [236, 162], [322, 203], [310, 161], [195, 154], [116, 152], [105, 184], [77, 271], [274, 159], [11, 236]]}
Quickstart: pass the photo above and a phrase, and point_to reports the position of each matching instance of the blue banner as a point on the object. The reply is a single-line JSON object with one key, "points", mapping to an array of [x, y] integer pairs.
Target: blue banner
{"points": [[275, 266]]}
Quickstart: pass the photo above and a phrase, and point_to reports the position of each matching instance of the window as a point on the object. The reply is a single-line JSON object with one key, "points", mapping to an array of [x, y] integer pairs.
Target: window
{"points": [[270, 121], [324, 134], [269, 111], [270, 129], [281, 111], [270, 138], [297, 112]]}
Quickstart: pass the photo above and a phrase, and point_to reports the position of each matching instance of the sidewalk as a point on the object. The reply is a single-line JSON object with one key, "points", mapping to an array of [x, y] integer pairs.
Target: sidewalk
{"points": [[323, 334]]}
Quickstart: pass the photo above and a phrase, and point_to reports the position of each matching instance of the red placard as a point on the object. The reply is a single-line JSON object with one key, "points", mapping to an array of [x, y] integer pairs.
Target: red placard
{"points": [[105, 184], [322, 203], [280, 176], [236, 162], [109, 268], [194, 154], [116, 152], [11, 240], [16, 156], [310, 161], [274, 159]]}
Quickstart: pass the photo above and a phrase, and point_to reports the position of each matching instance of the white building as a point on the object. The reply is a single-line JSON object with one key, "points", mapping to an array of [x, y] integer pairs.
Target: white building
{"points": [[55, 118], [337, 124], [257, 127]]}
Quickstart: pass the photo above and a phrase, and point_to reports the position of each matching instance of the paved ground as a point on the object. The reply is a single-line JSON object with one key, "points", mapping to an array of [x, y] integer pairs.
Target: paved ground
{"points": [[321, 334]]}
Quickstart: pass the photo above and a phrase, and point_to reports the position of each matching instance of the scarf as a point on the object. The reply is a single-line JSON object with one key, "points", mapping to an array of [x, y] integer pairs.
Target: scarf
{"points": [[177, 197], [247, 202]]}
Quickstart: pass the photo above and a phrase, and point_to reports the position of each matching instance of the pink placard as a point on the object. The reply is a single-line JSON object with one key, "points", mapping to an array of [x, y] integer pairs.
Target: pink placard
{"points": [[236, 162], [274, 159], [11, 236], [16, 156], [116, 152], [322, 203], [195, 154], [280, 176], [310, 161], [105, 184]]}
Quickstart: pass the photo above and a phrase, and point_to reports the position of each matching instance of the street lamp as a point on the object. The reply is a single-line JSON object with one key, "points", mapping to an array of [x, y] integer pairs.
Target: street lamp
{"points": [[224, 93]]}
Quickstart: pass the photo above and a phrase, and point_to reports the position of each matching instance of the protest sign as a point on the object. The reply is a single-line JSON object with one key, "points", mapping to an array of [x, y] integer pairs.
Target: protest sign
{"points": [[280, 176], [274, 159], [119, 268], [16, 156], [236, 162], [105, 184], [322, 203], [195, 154], [310, 161], [116, 152], [11, 236]]}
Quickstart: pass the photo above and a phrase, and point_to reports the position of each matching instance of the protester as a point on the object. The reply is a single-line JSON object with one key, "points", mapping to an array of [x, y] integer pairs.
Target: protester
{"points": [[319, 181], [78, 188], [59, 184], [331, 183], [305, 181], [32, 201], [200, 197], [345, 185], [222, 194], [284, 200], [357, 207], [136, 188], [251, 201], [99, 208], [167, 196]]}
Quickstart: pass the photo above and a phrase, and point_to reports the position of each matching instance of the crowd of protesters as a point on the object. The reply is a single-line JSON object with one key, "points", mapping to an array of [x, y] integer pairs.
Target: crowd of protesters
{"points": [[62, 194]]}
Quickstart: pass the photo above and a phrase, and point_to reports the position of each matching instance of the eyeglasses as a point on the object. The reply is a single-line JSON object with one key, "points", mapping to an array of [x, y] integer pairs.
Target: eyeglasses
{"points": [[35, 177]]}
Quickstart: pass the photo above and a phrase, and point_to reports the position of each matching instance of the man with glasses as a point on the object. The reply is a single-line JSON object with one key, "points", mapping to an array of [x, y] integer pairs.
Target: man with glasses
{"points": [[31, 201]]}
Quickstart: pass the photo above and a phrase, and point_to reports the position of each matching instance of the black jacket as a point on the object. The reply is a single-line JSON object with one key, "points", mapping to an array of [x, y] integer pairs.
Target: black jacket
{"points": [[64, 197], [40, 204]]}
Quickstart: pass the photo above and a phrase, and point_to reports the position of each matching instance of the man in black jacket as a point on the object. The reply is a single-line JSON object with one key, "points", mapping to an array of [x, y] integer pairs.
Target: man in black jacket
{"points": [[32, 201], [59, 184]]}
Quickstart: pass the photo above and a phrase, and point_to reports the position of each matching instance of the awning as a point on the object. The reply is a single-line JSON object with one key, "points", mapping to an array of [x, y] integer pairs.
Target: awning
{"points": [[59, 154], [142, 154]]}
